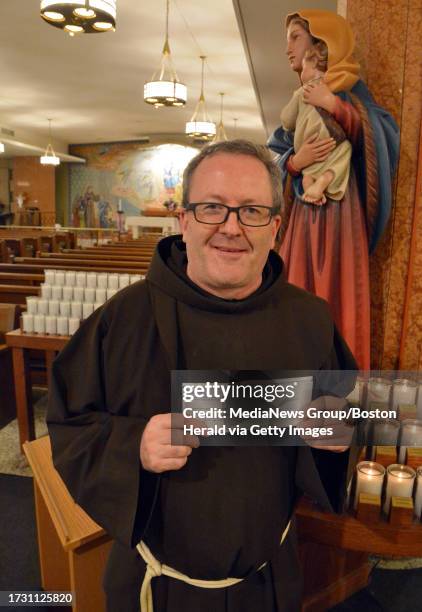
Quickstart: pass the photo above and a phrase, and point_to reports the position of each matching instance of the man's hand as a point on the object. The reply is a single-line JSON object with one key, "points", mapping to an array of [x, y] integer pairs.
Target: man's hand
{"points": [[313, 150], [157, 452], [319, 94]]}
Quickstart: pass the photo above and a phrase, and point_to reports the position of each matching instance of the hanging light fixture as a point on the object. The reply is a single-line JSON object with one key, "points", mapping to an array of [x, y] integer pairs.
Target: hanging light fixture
{"points": [[78, 16], [166, 90], [200, 126], [1, 147], [49, 158], [221, 132]]}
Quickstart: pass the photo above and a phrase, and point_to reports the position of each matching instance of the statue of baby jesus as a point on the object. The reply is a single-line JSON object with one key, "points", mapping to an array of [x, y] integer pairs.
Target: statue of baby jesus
{"points": [[329, 178]]}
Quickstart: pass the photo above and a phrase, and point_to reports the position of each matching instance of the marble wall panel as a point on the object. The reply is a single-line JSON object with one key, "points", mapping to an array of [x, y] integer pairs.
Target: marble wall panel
{"points": [[389, 49]]}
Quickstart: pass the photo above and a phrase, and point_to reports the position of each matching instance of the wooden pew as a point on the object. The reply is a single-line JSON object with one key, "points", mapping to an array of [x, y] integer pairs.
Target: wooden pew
{"points": [[10, 278], [38, 268], [16, 294], [96, 256], [82, 264]]}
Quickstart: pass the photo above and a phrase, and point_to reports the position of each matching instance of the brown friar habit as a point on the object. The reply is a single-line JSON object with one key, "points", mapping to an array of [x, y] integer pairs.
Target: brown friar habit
{"points": [[223, 513]]}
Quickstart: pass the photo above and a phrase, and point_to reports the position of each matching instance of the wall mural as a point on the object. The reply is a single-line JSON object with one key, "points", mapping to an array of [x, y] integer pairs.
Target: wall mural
{"points": [[130, 177]]}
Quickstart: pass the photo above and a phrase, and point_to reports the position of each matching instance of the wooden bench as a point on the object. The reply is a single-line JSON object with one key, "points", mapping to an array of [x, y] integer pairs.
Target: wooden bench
{"points": [[53, 262], [73, 549], [10, 278], [16, 294], [38, 268]]}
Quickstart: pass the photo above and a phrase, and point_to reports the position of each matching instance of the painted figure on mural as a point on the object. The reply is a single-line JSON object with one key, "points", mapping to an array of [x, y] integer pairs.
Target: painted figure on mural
{"points": [[326, 245]]}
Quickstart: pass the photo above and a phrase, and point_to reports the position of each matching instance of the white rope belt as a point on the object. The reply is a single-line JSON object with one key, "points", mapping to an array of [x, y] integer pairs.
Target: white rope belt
{"points": [[155, 568]]}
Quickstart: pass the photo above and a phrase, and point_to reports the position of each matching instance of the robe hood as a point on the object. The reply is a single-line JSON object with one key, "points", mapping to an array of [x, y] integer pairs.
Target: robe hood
{"points": [[167, 272]]}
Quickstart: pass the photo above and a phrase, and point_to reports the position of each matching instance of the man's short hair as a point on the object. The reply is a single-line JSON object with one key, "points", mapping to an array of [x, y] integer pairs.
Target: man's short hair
{"points": [[237, 147]]}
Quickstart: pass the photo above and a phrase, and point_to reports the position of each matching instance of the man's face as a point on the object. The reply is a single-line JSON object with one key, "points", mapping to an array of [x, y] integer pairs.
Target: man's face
{"points": [[227, 259]]}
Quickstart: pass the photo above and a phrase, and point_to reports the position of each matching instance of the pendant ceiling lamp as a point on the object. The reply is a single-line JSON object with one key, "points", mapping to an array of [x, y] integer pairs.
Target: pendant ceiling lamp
{"points": [[164, 88], [79, 16], [49, 158], [221, 132], [200, 126], [1, 147]]}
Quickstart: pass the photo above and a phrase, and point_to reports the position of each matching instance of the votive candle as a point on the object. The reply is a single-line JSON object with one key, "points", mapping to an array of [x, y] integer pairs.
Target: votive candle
{"points": [[410, 435], [46, 291], [369, 479], [50, 324], [62, 326], [74, 324], [400, 480], [404, 392], [53, 307], [28, 322]]}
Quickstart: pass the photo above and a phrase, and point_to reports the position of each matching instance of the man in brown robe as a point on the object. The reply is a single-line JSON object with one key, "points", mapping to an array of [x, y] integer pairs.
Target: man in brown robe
{"points": [[214, 298]]}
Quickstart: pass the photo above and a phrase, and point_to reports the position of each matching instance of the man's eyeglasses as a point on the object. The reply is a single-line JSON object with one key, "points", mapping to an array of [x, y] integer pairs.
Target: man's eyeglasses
{"points": [[212, 213]]}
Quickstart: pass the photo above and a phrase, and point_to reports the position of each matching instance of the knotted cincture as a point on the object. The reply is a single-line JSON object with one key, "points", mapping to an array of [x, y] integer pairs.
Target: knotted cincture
{"points": [[154, 569]]}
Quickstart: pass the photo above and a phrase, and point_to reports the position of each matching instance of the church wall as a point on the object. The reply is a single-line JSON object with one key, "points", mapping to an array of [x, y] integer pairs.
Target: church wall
{"points": [[389, 50]]}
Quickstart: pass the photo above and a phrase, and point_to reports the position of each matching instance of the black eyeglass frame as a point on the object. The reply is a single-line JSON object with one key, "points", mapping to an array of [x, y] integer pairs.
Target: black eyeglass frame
{"points": [[274, 210]]}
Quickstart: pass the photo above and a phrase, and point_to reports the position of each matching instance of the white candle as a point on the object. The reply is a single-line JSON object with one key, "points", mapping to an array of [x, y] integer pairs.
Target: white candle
{"points": [[134, 278], [410, 435], [32, 305], [74, 324], [53, 307], [100, 295], [59, 278], [56, 292], [39, 324], [111, 292], [28, 322], [70, 278], [50, 324], [120, 205], [385, 433], [356, 396], [87, 310], [46, 291], [65, 309], [91, 279], [78, 294], [76, 310], [50, 277], [123, 280], [400, 480], [81, 279], [68, 293], [42, 306], [62, 326], [404, 392], [89, 295], [113, 281], [369, 479], [418, 493], [379, 390], [102, 280]]}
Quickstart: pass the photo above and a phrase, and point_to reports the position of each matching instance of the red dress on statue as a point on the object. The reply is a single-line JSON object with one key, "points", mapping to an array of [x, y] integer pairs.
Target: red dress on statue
{"points": [[325, 251]]}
